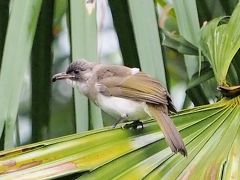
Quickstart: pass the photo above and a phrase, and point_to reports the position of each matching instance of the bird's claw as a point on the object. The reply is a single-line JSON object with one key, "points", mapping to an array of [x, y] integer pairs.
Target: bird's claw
{"points": [[133, 125], [114, 125]]}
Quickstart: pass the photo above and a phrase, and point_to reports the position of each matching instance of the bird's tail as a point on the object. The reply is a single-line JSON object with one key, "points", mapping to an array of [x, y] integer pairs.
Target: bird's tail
{"points": [[169, 130]]}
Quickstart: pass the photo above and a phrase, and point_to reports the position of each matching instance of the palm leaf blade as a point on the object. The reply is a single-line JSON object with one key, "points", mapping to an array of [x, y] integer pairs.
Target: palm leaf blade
{"points": [[15, 64], [205, 129], [84, 45]]}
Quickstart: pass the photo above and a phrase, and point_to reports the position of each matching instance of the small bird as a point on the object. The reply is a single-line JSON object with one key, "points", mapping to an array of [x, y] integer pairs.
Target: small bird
{"points": [[125, 94]]}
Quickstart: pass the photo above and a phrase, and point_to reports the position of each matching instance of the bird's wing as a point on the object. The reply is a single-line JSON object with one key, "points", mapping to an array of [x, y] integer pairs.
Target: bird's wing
{"points": [[139, 87]]}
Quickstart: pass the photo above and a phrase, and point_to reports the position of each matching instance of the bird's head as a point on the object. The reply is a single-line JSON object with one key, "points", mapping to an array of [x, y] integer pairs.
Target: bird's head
{"points": [[77, 71]]}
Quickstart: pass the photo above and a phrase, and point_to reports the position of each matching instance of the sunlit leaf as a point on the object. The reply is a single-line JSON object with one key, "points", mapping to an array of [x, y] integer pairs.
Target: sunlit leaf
{"points": [[210, 133], [220, 42]]}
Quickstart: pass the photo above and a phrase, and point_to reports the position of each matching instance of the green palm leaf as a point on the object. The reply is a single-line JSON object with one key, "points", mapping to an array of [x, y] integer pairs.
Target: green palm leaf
{"points": [[211, 133], [17, 49], [220, 42], [84, 45]]}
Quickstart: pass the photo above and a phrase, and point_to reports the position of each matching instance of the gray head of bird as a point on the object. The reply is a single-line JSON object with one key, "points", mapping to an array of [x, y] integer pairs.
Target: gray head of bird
{"points": [[77, 71]]}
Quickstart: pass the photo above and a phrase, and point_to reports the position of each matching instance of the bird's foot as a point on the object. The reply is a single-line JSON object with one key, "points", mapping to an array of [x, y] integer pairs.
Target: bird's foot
{"points": [[133, 125], [121, 119], [114, 125]]}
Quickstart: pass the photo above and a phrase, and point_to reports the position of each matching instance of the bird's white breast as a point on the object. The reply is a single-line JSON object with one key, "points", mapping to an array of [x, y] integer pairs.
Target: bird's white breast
{"points": [[82, 87], [120, 107]]}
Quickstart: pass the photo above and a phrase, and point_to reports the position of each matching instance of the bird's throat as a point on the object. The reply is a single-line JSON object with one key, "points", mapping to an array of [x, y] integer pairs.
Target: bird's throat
{"points": [[80, 86]]}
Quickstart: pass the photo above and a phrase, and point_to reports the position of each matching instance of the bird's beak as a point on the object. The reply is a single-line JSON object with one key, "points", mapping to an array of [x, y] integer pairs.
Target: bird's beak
{"points": [[61, 76]]}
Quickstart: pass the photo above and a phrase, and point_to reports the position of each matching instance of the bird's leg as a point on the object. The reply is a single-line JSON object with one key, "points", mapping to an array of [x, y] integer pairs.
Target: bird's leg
{"points": [[133, 125], [121, 119], [117, 122]]}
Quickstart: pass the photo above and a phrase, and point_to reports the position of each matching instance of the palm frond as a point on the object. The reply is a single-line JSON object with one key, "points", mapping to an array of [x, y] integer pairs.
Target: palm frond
{"points": [[211, 133], [220, 42]]}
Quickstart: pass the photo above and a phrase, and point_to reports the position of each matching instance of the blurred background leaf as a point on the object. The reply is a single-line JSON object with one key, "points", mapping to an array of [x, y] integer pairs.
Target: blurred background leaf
{"points": [[147, 38], [41, 71], [178, 43], [4, 15], [124, 29], [84, 45], [23, 19]]}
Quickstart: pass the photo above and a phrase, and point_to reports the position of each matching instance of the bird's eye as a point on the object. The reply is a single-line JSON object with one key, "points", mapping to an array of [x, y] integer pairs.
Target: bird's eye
{"points": [[82, 69], [76, 71]]}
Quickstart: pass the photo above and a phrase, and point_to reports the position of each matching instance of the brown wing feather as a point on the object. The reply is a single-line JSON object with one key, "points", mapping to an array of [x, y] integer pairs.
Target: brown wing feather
{"points": [[139, 87], [135, 95]]}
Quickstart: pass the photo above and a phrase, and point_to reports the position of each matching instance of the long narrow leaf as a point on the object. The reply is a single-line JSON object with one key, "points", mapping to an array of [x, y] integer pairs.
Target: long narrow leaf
{"points": [[147, 37], [4, 15], [15, 61], [84, 45], [178, 43], [188, 23], [41, 72], [124, 29], [187, 17]]}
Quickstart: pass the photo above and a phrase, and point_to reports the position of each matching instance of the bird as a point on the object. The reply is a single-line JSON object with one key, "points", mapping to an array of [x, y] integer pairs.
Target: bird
{"points": [[126, 94]]}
